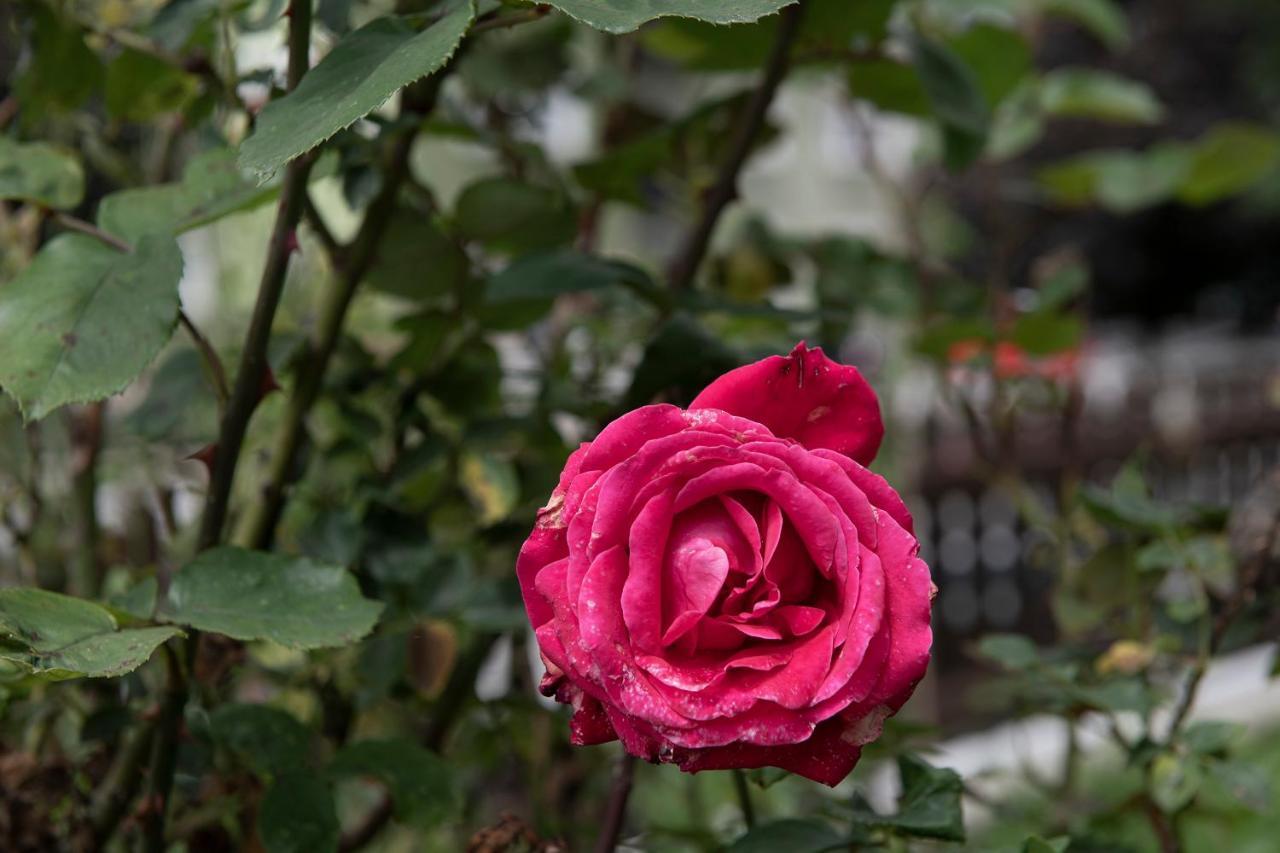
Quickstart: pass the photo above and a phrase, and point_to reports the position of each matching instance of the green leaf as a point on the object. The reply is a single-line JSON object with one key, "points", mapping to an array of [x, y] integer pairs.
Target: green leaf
{"points": [[794, 835], [956, 99], [417, 260], [999, 58], [514, 216], [1228, 159], [890, 85], [929, 806], [57, 636], [1011, 651], [1118, 694], [1047, 332], [140, 87], [1103, 18], [491, 483], [1100, 95], [623, 16], [1036, 844], [421, 784], [1128, 503], [40, 173], [212, 187], [543, 276], [84, 319], [1248, 783], [1120, 181], [355, 78], [1174, 781], [297, 815], [251, 595], [828, 27], [269, 740], [930, 802], [1209, 737], [64, 71]]}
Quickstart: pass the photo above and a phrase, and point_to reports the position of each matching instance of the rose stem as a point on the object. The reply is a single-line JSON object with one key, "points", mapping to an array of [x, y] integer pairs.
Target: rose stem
{"points": [[616, 811], [744, 798]]}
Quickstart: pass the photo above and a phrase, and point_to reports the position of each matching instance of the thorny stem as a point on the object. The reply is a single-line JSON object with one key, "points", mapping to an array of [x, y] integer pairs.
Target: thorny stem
{"points": [[684, 267], [234, 423], [354, 263], [616, 812]]}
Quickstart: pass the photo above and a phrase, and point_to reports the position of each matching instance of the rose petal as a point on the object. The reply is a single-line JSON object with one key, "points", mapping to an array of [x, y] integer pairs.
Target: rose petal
{"points": [[804, 396]]}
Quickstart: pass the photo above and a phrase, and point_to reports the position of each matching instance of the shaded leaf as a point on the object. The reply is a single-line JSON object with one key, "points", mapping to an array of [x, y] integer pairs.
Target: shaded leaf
{"points": [[1228, 159], [297, 815], [57, 636], [491, 483], [623, 16], [421, 783], [1099, 95], [212, 187], [41, 173], [1012, 651], [84, 319], [269, 740], [251, 595], [1104, 18], [416, 260], [140, 87], [355, 78], [1174, 781], [511, 215]]}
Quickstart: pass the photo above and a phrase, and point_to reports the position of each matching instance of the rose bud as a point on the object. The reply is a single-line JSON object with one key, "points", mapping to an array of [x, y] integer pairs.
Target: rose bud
{"points": [[727, 586]]}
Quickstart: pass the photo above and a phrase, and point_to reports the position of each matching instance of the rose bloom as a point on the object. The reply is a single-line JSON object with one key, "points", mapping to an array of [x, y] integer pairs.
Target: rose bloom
{"points": [[727, 586]]}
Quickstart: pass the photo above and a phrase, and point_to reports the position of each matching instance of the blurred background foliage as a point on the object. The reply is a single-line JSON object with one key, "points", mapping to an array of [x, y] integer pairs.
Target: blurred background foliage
{"points": [[1047, 230]]}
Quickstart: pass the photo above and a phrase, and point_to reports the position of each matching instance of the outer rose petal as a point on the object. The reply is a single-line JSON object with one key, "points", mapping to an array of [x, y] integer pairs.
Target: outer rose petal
{"points": [[805, 396]]}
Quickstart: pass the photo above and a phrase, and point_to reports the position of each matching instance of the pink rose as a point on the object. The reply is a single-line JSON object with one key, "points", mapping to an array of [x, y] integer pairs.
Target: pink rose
{"points": [[727, 586]]}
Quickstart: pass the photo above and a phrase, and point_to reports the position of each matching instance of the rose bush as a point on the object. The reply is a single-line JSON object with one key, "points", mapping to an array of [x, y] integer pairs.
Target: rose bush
{"points": [[727, 586]]}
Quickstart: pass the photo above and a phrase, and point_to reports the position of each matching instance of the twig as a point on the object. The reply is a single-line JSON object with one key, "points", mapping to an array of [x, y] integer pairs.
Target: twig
{"points": [[502, 22], [616, 812], [87, 435], [684, 267], [744, 798], [71, 223], [315, 221], [210, 356]]}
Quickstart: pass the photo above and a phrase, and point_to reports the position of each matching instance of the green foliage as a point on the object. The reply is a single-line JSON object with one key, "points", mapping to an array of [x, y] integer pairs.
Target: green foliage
{"points": [[211, 188], [314, 496], [56, 636], [84, 320], [297, 815], [40, 173], [421, 784], [623, 16], [252, 595], [358, 76], [929, 806]]}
